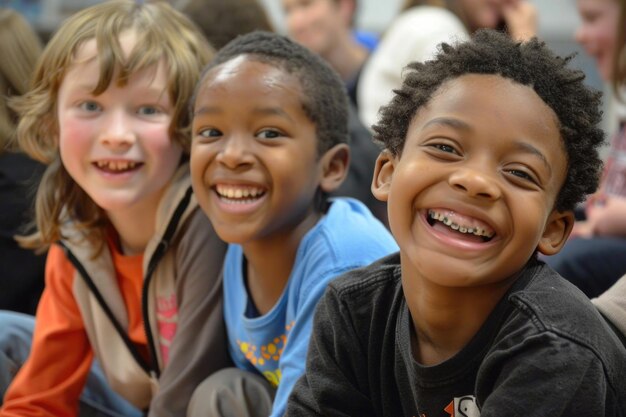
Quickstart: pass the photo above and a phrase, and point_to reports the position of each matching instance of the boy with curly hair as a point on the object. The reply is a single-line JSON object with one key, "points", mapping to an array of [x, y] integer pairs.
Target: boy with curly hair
{"points": [[488, 148]]}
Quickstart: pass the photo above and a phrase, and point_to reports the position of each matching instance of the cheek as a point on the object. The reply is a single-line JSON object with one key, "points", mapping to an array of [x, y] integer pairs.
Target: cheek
{"points": [[164, 153], [606, 40], [74, 140], [198, 162]]}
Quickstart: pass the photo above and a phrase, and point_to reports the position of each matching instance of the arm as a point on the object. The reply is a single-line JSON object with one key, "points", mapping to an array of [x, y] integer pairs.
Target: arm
{"points": [[607, 218], [548, 376], [199, 347], [335, 367], [51, 380]]}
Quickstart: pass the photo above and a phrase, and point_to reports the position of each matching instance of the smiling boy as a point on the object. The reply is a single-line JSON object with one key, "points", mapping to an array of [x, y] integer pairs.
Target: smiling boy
{"points": [[269, 145], [487, 150]]}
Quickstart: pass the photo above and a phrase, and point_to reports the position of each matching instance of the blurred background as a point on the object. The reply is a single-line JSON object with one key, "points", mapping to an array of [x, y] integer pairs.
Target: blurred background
{"points": [[558, 20]]}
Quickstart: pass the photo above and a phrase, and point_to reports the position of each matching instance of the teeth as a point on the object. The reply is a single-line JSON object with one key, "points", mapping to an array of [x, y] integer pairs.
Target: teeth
{"points": [[238, 192], [474, 230], [116, 165]]}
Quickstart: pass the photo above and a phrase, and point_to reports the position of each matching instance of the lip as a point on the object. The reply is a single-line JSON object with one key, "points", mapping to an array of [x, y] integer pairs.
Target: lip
{"points": [[448, 240]]}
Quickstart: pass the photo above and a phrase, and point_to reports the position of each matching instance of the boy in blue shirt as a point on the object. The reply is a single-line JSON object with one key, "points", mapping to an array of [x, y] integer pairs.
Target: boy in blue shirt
{"points": [[488, 148], [269, 144]]}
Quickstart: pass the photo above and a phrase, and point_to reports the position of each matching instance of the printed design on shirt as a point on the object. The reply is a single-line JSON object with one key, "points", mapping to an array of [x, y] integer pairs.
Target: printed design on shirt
{"points": [[266, 357], [463, 407], [167, 321]]}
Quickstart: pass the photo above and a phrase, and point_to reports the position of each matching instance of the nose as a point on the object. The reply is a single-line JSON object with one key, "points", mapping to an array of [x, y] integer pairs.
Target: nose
{"points": [[117, 132], [475, 183], [234, 152]]}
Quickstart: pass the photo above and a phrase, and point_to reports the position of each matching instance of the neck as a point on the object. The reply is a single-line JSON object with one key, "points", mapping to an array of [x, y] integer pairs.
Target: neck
{"points": [[270, 263], [135, 225], [444, 318]]}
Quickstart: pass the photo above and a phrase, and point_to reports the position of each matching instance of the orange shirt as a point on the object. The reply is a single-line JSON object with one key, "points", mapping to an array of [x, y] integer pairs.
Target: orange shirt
{"points": [[52, 379]]}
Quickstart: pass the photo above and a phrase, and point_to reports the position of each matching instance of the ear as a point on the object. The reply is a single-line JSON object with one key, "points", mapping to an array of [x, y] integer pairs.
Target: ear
{"points": [[556, 232], [383, 173], [334, 164]]}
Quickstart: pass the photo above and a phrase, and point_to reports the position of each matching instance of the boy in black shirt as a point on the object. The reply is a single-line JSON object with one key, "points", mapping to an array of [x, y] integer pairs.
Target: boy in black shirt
{"points": [[488, 148]]}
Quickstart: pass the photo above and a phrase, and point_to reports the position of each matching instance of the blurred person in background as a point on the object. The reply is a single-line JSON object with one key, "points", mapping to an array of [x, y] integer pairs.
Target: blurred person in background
{"points": [[21, 270], [417, 31], [223, 20], [594, 256], [326, 28]]}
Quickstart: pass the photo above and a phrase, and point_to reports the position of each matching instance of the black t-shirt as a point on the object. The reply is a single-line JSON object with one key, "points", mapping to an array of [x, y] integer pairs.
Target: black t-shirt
{"points": [[543, 351]]}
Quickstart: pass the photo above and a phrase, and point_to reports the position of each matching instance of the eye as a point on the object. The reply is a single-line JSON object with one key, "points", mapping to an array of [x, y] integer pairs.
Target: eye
{"points": [[270, 134], [148, 110], [524, 176], [209, 133], [444, 148], [90, 106]]}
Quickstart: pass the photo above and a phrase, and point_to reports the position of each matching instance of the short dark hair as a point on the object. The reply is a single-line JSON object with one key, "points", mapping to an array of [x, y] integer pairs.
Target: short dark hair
{"points": [[531, 63], [222, 21], [324, 97]]}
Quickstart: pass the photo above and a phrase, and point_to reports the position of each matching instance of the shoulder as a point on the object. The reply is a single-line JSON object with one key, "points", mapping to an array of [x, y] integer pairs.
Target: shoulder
{"points": [[376, 281], [60, 271], [57, 260], [348, 236], [552, 301], [196, 227], [550, 308], [177, 201]]}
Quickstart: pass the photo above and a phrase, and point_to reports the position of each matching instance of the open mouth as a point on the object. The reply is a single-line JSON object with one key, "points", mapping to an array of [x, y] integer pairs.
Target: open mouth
{"points": [[239, 194], [469, 229], [117, 167]]}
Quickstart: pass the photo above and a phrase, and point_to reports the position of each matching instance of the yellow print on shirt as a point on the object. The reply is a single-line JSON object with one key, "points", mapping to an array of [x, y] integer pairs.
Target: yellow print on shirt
{"points": [[266, 357]]}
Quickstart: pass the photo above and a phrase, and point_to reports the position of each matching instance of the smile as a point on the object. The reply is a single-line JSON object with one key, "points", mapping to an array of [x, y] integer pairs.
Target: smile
{"points": [[239, 194], [460, 224], [117, 166]]}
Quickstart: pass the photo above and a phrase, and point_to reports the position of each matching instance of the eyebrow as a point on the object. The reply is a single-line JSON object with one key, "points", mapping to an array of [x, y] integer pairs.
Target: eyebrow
{"points": [[461, 125], [447, 121], [528, 148], [264, 111]]}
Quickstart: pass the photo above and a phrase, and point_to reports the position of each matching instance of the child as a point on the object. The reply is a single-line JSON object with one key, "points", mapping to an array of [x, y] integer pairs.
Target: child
{"points": [[134, 278], [269, 132], [488, 147]]}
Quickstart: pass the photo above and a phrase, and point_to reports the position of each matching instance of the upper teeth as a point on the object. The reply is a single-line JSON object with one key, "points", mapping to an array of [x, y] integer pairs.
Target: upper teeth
{"points": [[238, 192], [470, 229], [116, 165]]}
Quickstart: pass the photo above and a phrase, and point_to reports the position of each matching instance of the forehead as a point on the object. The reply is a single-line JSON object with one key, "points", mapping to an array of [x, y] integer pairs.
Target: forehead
{"points": [[492, 104], [86, 63], [88, 50], [245, 71]]}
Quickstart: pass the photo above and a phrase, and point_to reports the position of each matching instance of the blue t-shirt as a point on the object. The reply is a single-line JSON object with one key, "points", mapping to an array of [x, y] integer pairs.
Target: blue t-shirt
{"points": [[275, 344]]}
